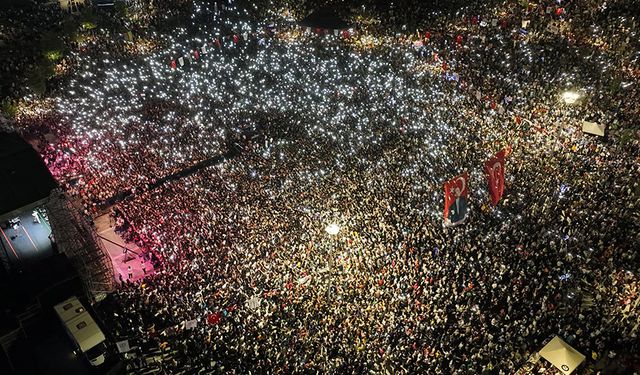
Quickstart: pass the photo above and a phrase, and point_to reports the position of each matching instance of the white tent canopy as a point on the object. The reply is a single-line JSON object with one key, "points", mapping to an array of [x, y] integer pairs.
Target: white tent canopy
{"points": [[562, 355], [593, 128]]}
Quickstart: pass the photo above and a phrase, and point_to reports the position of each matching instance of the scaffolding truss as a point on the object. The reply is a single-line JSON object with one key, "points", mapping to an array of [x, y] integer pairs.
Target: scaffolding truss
{"points": [[76, 237]]}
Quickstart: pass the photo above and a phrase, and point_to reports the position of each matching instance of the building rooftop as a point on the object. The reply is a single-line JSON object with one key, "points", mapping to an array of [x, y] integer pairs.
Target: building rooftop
{"points": [[24, 177]]}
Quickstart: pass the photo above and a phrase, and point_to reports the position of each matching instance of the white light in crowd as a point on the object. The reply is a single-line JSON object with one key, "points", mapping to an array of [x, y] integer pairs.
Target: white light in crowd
{"points": [[570, 97], [332, 229]]}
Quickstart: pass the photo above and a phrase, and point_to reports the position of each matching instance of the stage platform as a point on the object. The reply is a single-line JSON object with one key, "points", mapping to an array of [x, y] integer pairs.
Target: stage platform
{"points": [[123, 255], [27, 242]]}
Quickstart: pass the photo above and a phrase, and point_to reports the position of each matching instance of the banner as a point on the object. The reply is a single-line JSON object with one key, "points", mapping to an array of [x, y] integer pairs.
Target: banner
{"points": [[593, 128], [191, 324], [455, 199], [123, 346], [553, 27], [253, 303], [494, 168], [214, 318]]}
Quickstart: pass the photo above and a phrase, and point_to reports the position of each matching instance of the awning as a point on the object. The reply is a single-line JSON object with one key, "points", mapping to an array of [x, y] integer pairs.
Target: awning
{"points": [[562, 355], [593, 128]]}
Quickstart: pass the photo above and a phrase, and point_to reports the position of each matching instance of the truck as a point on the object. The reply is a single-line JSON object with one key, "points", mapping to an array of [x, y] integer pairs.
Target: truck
{"points": [[82, 330]]}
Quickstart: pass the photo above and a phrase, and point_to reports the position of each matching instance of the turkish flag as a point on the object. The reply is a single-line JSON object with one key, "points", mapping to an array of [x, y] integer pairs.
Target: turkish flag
{"points": [[173, 64], [346, 34], [196, 54], [236, 39], [455, 199], [214, 318], [494, 168]]}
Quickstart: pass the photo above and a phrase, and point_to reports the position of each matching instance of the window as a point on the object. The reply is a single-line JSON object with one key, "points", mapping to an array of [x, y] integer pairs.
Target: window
{"points": [[81, 325], [96, 351]]}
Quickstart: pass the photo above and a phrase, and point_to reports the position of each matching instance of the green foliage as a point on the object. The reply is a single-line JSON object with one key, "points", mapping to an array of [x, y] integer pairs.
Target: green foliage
{"points": [[38, 75], [121, 9], [36, 81], [88, 16], [51, 41], [53, 56], [614, 85], [88, 25], [626, 136], [69, 27], [8, 108]]}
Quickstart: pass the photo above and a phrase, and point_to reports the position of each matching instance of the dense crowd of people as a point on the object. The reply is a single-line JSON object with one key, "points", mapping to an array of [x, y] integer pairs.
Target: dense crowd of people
{"points": [[360, 132]]}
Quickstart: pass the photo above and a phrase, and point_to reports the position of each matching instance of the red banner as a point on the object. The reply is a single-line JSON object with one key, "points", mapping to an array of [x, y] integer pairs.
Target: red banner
{"points": [[455, 199], [494, 168], [214, 318]]}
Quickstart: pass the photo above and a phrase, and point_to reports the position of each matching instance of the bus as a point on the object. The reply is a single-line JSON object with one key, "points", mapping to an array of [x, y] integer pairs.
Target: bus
{"points": [[83, 330]]}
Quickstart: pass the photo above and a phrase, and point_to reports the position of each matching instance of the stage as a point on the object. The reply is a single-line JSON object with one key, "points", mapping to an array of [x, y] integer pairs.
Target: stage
{"points": [[123, 255], [28, 241]]}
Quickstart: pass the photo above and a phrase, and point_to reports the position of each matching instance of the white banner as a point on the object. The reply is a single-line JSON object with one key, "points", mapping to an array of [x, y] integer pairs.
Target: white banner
{"points": [[181, 61], [253, 303], [123, 346], [553, 27], [191, 324]]}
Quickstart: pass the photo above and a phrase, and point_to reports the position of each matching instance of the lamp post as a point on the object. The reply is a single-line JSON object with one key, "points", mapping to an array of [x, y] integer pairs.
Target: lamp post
{"points": [[570, 97], [332, 229]]}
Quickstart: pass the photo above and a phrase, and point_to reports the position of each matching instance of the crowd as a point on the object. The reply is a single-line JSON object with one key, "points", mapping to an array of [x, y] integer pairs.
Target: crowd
{"points": [[362, 136]]}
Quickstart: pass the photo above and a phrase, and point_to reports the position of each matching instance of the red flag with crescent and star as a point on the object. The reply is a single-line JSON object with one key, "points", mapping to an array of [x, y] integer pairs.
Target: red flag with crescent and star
{"points": [[214, 318], [494, 168], [455, 199]]}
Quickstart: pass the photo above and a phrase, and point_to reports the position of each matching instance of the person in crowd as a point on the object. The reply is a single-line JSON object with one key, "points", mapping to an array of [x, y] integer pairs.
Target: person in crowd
{"points": [[227, 169]]}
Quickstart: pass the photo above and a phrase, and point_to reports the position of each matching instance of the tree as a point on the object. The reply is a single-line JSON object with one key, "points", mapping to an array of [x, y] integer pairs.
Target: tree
{"points": [[8, 108], [121, 9], [88, 18]]}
